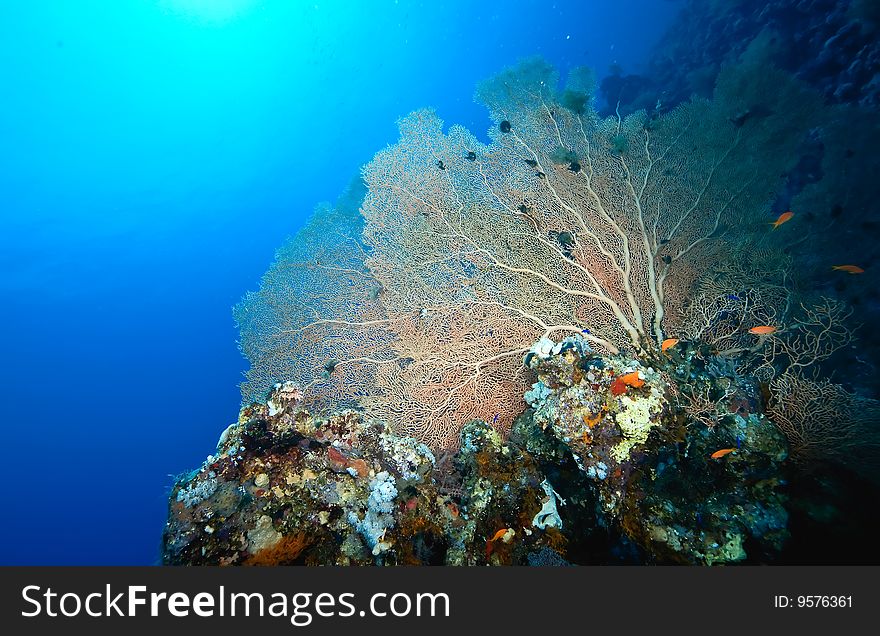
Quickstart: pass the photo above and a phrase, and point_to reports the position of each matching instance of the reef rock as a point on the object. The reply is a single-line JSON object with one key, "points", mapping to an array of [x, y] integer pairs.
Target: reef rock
{"points": [[608, 465], [656, 470], [286, 487]]}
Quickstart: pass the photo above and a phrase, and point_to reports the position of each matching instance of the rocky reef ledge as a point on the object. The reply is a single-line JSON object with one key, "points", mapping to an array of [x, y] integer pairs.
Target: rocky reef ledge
{"points": [[605, 466]]}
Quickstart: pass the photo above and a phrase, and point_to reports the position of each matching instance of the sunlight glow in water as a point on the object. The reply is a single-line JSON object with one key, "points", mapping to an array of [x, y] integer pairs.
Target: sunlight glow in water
{"points": [[214, 11]]}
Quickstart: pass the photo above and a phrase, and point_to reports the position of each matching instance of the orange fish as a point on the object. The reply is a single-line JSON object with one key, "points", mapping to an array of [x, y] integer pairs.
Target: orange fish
{"points": [[668, 343], [632, 379], [721, 453], [627, 379], [785, 216], [852, 269], [499, 534], [763, 330]]}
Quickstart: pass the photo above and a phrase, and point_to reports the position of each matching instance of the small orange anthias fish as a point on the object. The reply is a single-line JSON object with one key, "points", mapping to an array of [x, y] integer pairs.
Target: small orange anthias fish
{"points": [[852, 269], [721, 453], [668, 343], [763, 330], [783, 218], [632, 379], [490, 544], [627, 379]]}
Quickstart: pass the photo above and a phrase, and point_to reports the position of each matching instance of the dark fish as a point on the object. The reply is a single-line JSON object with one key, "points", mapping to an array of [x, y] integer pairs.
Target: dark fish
{"points": [[666, 259], [740, 119], [375, 293], [531, 163], [664, 241], [540, 174], [505, 126], [756, 111], [471, 156], [440, 165], [574, 166], [524, 209]]}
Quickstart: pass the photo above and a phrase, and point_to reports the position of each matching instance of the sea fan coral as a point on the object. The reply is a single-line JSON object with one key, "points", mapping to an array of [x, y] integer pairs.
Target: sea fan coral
{"points": [[424, 316]]}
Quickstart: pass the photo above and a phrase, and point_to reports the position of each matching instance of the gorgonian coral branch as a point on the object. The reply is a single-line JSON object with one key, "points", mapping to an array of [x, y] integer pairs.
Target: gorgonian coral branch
{"points": [[469, 252]]}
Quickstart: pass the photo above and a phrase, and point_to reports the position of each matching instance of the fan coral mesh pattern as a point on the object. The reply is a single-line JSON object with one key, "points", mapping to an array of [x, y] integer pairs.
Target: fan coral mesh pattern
{"points": [[316, 304], [565, 223]]}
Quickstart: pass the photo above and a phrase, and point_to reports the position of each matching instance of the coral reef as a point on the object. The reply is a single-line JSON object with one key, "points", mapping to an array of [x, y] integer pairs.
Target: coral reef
{"points": [[579, 343], [286, 487], [655, 467], [566, 223], [831, 44], [602, 459]]}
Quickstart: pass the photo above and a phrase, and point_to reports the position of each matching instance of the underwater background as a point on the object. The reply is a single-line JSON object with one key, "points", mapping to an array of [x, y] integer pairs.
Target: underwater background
{"points": [[156, 154]]}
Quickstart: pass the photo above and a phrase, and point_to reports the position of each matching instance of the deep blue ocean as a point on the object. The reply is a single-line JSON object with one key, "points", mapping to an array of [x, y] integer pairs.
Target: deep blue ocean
{"points": [[153, 155]]}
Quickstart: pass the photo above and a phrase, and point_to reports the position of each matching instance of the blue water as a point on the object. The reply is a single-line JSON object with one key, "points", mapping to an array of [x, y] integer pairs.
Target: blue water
{"points": [[153, 154]]}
